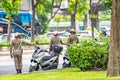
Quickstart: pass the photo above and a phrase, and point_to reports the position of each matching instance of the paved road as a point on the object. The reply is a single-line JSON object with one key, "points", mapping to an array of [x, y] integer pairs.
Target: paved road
{"points": [[7, 64]]}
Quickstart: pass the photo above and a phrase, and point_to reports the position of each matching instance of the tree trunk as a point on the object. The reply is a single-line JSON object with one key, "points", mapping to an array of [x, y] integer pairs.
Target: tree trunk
{"points": [[114, 54], [96, 22], [73, 21], [9, 30], [33, 17], [92, 28], [73, 25]]}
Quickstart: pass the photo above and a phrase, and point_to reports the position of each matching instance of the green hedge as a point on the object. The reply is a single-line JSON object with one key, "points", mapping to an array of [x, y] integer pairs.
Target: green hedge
{"points": [[38, 41], [89, 55], [2, 44]]}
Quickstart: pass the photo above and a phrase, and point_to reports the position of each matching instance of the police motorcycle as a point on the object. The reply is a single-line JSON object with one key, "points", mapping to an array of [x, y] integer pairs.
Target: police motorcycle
{"points": [[66, 61], [43, 60]]}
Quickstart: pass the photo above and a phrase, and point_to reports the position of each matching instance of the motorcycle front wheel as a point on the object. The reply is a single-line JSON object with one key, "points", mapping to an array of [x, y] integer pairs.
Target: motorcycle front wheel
{"points": [[33, 68]]}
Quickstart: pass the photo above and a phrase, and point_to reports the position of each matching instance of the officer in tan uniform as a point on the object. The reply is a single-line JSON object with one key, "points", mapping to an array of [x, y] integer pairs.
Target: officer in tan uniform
{"points": [[16, 52], [73, 39], [55, 40]]}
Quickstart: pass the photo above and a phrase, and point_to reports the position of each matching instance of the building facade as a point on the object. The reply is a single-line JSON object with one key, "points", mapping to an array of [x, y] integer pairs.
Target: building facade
{"points": [[26, 5]]}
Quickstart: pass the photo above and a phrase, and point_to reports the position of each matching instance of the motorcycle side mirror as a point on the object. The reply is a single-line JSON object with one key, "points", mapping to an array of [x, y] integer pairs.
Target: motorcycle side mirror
{"points": [[37, 47]]}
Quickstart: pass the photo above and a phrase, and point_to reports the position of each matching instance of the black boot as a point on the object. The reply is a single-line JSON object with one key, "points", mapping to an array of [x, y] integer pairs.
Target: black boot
{"points": [[20, 71], [17, 71]]}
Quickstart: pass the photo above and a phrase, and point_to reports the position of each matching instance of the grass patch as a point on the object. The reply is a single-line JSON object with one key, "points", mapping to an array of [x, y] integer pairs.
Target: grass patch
{"points": [[3, 44], [61, 74]]}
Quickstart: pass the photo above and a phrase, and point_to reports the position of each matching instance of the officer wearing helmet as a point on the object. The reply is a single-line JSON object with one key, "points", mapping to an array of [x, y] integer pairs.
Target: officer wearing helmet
{"points": [[55, 40], [73, 39], [16, 51]]}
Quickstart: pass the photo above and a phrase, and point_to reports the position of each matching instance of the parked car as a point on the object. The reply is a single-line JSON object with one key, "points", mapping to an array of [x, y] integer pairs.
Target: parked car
{"points": [[50, 35], [66, 35], [87, 33], [22, 36]]}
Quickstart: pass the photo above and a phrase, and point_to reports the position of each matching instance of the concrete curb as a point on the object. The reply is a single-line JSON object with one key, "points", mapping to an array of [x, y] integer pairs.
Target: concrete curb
{"points": [[5, 49], [7, 53]]}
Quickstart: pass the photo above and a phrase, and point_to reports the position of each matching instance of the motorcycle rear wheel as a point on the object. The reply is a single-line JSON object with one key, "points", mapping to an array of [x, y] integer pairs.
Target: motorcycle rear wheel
{"points": [[66, 65]]}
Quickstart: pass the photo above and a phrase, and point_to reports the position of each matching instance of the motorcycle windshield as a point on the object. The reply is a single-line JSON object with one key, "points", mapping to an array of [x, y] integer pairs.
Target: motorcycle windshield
{"points": [[36, 52]]}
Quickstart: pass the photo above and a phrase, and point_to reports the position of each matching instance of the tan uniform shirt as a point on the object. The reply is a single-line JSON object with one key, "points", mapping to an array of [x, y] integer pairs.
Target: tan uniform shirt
{"points": [[15, 44], [73, 39], [55, 40]]}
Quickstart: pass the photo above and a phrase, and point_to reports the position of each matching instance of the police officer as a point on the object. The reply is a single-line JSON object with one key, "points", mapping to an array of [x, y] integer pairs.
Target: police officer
{"points": [[16, 52], [55, 40], [73, 39]]}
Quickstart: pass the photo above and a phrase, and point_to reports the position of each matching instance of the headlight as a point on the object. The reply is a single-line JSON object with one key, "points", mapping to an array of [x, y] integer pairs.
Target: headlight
{"points": [[34, 64]]}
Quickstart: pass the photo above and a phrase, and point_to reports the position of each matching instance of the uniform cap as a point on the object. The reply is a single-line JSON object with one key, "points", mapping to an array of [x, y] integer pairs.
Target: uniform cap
{"points": [[55, 33], [17, 35], [72, 31]]}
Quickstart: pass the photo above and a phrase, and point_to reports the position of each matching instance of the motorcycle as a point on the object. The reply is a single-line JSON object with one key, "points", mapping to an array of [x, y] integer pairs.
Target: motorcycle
{"points": [[43, 60], [66, 61]]}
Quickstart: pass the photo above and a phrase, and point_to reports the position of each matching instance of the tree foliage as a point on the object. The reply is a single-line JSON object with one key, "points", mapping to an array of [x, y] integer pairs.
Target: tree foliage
{"points": [[104, 15], [45, 7], [107, 3], [82, 7], [61, 18], [11, 6], [45, 11]]}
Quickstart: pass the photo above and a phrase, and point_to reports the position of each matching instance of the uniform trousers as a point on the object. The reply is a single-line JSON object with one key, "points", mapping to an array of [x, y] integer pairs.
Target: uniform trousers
{"points": [[18, 60]]}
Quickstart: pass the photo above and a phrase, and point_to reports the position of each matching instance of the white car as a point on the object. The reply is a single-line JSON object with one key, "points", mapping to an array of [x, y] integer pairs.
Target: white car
{"points": [[87, 33], [3, 37], [66, 35]]}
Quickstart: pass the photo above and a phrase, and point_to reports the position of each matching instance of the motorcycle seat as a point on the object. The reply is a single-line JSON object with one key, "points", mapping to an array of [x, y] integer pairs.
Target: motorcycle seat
{"points": [[47, 57]]}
